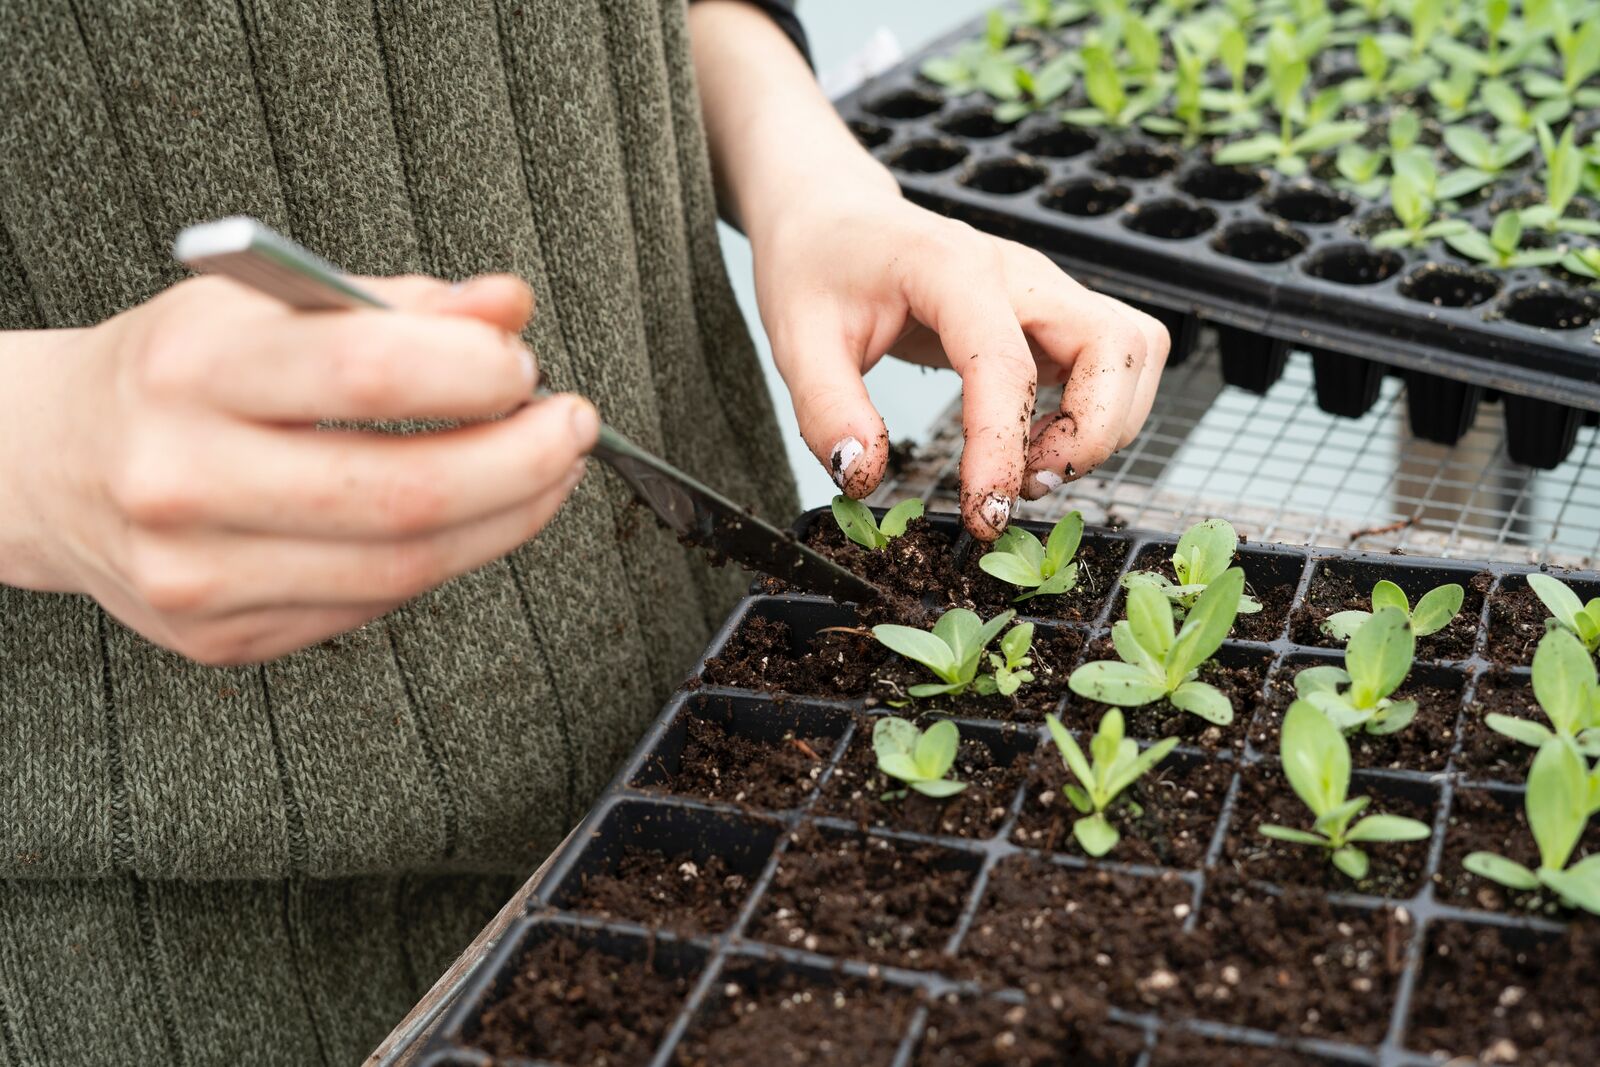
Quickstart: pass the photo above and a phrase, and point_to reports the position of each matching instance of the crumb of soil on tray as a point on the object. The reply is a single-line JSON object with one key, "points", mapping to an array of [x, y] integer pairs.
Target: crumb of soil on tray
{"points": [[1331, 592], [766, 1015], [573, 1003], [718, 764], [672, 892]]}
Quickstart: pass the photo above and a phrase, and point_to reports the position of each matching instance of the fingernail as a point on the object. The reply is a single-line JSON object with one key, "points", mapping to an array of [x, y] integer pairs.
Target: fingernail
{"points": [[1047, 480], [996, 511], [456, 287], [575, 475], [530, 370], [585, 423], [842, 458]]}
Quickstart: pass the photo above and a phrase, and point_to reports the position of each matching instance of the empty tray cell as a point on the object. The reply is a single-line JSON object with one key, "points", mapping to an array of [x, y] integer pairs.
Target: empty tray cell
{"points": [[927, 155], [1047, 1031], [1353, 263], [1259, 242], [1099, 557], [1425, 745], [1271, 574], [904, 104], [1440, 409], [1396, 869], [786, 1015], [1240, 671], [1346, 385], [992, 761], [565, 995], [1496, 996], [1551, 307], [668, 867], [1166, 818], [973, 123], [1538, 433], [1138, 162], [795, 645], [1170, 218], [1346, 585], [1207, 181], [744, 750], [866, 897], [1004, 177], [1489, 756], [1087, 197], [1059, 142], [1312, 205], [1041, 925], [1495, 820], [1250, 361], [870, 134], [919, 563], [1517, 617], [1446, 285]]}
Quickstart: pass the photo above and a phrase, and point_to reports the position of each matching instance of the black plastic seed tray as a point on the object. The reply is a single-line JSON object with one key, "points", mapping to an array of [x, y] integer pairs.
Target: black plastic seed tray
{"points": [[1271, 262], [751, 946]]}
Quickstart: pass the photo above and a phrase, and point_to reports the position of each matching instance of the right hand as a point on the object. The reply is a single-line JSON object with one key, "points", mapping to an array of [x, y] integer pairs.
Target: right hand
{"points": [[167, 462]]}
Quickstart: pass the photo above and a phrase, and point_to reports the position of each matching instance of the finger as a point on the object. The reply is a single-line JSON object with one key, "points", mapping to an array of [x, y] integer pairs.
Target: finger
{"points": [[1158, 347], [502, 300], [822, 368], [306, 483], [969, 308], [347, 365], [214, 577]]}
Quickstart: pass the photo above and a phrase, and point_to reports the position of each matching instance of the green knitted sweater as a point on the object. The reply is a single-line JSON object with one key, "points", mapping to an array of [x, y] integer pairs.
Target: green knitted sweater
{"points": [[270, 864]]}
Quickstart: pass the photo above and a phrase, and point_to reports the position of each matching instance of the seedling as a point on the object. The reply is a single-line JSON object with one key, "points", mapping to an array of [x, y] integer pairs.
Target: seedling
{"points": [[953, 650], [1302, 129], [1038, 89], [1155, 662], [1356, 696], [1502, 245], [1507, 45], [1567, 610], [1416, 212], [1052, 14], [1108, 89], [1204, 554], [1565, 684], [1316, 760], [920, 758], [1188, 117], [1433, 613], [1381, 77], [1009, 669], [1114, 764], [857, 523], [1584, 262], [1416, 163], [1489, 157], [1563, 176], [1238, 101], [1360, 168], [1456, 95], [1561, 796], [988, 63], [1578, 46], [1018, 558], [1510, 109]]}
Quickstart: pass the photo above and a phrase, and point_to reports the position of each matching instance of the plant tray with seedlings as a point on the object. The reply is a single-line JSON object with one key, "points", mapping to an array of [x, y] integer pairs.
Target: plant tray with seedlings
{"points": [[1404, 184], [1089, 796]]}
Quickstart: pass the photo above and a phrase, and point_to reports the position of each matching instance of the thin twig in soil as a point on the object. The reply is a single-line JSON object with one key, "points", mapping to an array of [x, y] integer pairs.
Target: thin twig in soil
{"points": [[1373, 531], [800, 743]]}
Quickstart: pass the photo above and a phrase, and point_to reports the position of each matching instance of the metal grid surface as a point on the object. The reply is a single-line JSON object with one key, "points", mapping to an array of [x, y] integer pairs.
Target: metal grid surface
{"points": [[1282, 470]]}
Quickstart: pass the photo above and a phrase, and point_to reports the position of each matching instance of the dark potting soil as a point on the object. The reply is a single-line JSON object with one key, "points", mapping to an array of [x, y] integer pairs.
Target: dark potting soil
{"points": [[671, 892], [1042, 927], [572, 1003], [1099, 563], [1277, 598], [1180, 801], [866, 898], [768, 1016], [1397, 868], [719, 765], [1508, 998], [1178, 1049], [1048, 1031], [1495, 821], [1489, 756], [1241, 679], [918, 565], [1331, 592], [855, 791], [1422, 746], [1516, 624]]}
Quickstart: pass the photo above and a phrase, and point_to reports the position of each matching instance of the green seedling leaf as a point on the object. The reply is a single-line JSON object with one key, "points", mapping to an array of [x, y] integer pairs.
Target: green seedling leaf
{"points": [[1114, 764], [1508, 873], [1560, 797], [1433, 613], [920, 759], [899, 517], [1017, 558], [1568, 610], [857, 523], [953, 651], [1379, 656], [1204, 553]]}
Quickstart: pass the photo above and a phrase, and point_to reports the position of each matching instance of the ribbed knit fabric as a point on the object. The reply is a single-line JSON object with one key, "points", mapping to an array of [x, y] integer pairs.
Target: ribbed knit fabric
{"points": [[268, 865]]}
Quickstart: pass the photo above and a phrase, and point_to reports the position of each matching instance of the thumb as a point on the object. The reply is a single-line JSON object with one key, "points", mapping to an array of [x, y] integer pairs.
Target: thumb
{"points": [[502, 300], [840, 425]]}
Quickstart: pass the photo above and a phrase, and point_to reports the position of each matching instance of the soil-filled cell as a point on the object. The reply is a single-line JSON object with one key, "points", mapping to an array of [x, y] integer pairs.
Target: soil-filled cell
{"points": [[1517, 618], [1448, 286], [1206, 181], [1004, 177], [1270, 576], [1237, 670], [1099, 560], [1494, 820], [1489, 756], [1057, 1028], [1346, 585]]}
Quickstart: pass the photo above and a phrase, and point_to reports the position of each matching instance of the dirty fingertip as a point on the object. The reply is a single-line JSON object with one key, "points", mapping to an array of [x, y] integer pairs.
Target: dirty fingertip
{"points": [[1039, 482]]}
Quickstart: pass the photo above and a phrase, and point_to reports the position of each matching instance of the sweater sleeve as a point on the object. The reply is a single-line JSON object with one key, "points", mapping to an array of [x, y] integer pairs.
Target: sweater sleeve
{"points": [[783, 13]]}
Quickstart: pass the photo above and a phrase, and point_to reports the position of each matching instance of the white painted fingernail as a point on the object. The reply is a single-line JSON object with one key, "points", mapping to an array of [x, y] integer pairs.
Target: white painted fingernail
{"points": [[842, 457], [1047, 480], [996, 511]]}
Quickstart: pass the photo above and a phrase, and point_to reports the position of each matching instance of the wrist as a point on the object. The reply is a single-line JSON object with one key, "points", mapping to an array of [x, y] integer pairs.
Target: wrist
{"points": [[839, 182]]}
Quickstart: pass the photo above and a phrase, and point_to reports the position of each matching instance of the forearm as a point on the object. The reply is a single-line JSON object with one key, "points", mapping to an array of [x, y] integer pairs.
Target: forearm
{"points": [[775, 139], [27, 544]]}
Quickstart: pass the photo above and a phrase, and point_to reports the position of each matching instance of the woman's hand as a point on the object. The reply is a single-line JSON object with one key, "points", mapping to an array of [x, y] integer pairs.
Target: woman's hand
{"points": [[166, 462], [842, 278]]}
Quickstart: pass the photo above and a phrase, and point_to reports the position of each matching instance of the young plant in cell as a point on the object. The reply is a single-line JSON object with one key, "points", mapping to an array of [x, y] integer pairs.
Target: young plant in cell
{"points": [[1417, 214], [1434, 611], [953, 650], [1114, 98], [1039, 89], [1502, 246], [1204, 554], [1361, 168], [857, 523], [1008, 669], [920, 758], [988, 64], [1316, 760], [1485, 156], [1584, 262], [1239, 103], [1567, 609], [1456, 95], [1303, 129], [1017, 558], [1376, 662], [1567, 689], [1052, 14], [1157, 662], [1508, 44], [1188, 119], [1564, 164], [1509, 108], [1383, 78], [1562, 794], [1576, 34], [1113, 764], [1424, 19]]}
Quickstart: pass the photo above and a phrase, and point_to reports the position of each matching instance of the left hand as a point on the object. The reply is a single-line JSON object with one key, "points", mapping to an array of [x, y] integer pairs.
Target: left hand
{"points": [[840, 284]]}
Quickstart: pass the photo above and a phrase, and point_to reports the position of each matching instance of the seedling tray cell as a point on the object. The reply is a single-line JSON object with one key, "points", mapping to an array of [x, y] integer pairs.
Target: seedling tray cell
{"points": [[848, 930], [1271, 261]]}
